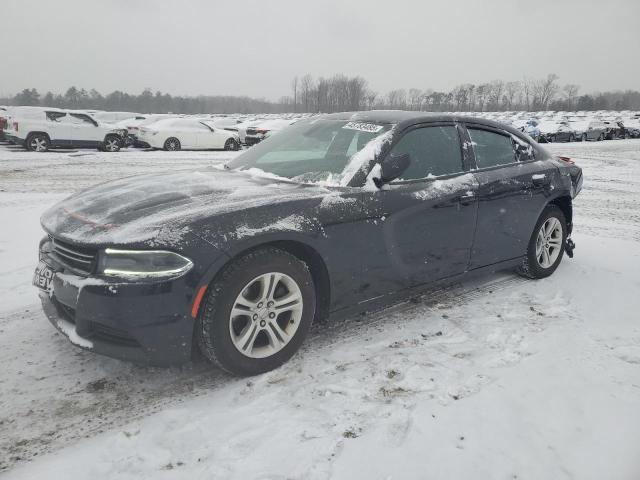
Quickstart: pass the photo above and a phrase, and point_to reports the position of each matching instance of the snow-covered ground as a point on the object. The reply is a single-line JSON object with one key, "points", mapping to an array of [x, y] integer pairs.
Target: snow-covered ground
{"points": [[497, 378]]}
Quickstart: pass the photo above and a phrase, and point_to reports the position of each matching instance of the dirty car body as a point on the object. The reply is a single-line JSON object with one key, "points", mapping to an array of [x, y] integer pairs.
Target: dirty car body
{"points": [[364, 244]]}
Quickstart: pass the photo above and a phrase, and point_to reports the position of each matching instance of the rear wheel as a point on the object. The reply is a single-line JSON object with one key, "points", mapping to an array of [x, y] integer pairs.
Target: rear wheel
{"points": [[546, 246], [257, 312], [584, 137], [572, 138], [231, 144], [172, 144], [38, 142], [111, 144]]}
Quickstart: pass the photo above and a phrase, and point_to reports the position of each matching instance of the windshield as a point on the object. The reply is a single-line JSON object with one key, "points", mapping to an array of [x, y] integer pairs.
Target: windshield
{"points": [[310, 150]]}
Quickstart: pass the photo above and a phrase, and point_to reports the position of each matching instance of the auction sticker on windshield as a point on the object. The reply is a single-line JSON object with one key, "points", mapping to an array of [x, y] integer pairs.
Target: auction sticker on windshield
{"points": [[42, 276], [363, 127]]}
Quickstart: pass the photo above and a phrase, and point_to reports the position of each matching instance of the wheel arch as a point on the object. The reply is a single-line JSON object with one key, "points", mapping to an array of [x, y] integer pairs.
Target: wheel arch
{"points": [[37, 132], [299, 249], [565, 204]]}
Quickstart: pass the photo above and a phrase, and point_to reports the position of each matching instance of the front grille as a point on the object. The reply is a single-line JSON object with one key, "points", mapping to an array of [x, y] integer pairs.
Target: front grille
{"points": [[81, 259]]}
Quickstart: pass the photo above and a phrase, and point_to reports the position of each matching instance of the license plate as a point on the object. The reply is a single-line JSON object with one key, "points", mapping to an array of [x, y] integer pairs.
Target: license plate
{"points": [[43, 276]]}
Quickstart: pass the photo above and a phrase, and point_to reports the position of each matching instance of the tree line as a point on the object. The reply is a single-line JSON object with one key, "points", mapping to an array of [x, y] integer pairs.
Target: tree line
{"points": [[344, 93], [340, 93]]}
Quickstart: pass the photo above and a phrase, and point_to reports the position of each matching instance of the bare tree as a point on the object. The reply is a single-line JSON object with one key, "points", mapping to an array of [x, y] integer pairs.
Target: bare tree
{"points": [[570, 92], [294, 87], [511, 90], [545, 90], [397, 98], [495, 94], [306, 86], [415, 98]]}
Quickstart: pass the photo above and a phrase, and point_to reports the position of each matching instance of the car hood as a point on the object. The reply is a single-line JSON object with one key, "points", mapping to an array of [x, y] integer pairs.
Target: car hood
{"points": [[159, 209]]}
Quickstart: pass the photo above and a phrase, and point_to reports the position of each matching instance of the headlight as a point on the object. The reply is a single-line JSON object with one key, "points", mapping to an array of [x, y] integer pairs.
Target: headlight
{"points": [[142, 263]]}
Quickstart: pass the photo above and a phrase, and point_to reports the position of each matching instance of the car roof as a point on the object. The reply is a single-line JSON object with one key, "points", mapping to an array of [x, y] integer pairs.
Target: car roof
{"points": [[406, 117]]}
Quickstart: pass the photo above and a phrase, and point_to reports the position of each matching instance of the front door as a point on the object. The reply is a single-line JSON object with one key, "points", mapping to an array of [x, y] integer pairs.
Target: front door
{"points": [[426, 220]]}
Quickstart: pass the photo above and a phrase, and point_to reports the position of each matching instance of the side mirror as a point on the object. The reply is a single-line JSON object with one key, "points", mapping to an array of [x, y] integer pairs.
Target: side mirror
{"points": [[391, 168]]}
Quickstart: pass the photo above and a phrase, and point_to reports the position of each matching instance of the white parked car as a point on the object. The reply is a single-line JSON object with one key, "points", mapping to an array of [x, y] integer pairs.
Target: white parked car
{"points": [[56, 128], [187, 134]]}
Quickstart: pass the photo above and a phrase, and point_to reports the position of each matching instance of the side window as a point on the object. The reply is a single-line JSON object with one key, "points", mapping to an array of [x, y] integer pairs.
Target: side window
{"points": [[434, 151], [55, 116], [524, 150], [80, 119], [492, 148]]}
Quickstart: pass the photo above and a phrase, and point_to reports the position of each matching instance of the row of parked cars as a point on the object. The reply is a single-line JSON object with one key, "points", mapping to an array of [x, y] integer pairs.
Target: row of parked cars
{"points": [[40, 128], [548, 127]]}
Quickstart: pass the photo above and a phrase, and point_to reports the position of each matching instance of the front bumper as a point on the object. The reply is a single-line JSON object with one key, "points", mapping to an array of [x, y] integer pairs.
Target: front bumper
{"points": [[147, 323]]}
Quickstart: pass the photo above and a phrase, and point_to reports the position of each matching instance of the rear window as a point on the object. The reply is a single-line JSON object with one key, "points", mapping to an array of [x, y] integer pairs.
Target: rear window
{"points": [[492, 148]]}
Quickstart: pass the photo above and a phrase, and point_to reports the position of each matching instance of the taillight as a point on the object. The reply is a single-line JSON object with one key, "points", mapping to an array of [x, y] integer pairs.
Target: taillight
{"points": [[262, 131], [15, 126], [566, 159]]}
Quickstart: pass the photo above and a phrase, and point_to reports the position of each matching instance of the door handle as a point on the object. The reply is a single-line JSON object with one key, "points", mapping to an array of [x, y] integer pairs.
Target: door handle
{"points": [[540, 180]]}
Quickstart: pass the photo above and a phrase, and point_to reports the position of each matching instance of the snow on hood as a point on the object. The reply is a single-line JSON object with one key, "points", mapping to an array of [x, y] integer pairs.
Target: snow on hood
{"points": [[159, 209]]}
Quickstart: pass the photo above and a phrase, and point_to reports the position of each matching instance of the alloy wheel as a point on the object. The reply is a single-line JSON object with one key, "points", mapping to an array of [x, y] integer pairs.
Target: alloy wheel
{"points": [[111, 145], [38, 144], [549, 242], [266, 315]]}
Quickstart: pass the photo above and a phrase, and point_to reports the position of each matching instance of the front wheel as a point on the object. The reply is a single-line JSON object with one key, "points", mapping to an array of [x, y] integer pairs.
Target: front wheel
{"points": [[257, 312], [231, 144], [111, 144], [546, 246], [38, 142], [172, 144]]}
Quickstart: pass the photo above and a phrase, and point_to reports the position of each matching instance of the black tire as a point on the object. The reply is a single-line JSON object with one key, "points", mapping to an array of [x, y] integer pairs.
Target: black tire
{"points": [[112, 143], [584, 137], [601, 137], [213, 326], [37, 142], [572, 138], [531, 267], [231, 144], [172, 144]]}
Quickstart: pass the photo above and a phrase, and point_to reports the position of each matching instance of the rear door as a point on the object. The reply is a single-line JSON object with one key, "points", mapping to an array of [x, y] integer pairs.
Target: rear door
{"points": [[513, 188], [187, 133], [210, 136]]}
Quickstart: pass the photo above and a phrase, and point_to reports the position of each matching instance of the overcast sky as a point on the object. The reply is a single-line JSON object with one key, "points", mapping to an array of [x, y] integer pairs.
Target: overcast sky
{"points": [[254, 48]]}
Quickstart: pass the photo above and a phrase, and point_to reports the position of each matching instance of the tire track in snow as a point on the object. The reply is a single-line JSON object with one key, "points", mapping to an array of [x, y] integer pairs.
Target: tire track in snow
{"points": [[78, 394]]}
